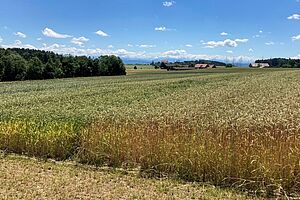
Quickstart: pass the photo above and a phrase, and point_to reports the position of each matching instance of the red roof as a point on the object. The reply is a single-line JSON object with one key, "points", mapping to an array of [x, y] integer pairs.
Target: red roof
{"points": [[201, 66]]}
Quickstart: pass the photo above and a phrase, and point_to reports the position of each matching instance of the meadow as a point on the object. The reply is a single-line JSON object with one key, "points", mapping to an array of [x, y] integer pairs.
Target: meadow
{"points": [[228, 127]]}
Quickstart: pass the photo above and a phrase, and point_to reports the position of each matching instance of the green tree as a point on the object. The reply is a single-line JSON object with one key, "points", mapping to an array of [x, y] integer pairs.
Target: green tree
{"points": [[35, 69], [49, 71], [229, 65], [12, 67], [111, 66], [69, 66], [163, 65]]}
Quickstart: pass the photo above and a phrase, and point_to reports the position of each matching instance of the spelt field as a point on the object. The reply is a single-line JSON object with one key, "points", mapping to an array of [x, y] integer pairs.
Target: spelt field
{"points": [[228, 127]]}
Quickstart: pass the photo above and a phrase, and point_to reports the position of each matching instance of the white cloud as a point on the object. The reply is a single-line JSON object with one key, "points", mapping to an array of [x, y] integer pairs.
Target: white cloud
{"points": [[269, 43], [297, 37], [231, 52], [19, 44], [52, 34], [296, 57], [162, 29], [110, 46], [178, 54], [129, 45], [39, 39], [79, 41], [258, 35], [20, 34], [251, 50], [102, 34], [189, 45], [294, 17], [169, 3], [224, 34], [146, 46], [242, 40], [227, 43]]}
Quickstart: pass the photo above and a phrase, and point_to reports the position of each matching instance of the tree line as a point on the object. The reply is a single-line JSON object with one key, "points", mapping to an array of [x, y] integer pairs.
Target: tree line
{"points": [[281, 62], [28, 64], [163, 65]]}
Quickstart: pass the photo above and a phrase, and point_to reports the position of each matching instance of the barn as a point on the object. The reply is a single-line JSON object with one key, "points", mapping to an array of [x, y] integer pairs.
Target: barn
{"points": [[201, 66]]}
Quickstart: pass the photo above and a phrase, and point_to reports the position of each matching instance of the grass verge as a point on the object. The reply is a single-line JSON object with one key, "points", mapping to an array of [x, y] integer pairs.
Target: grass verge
{"points": [[23, 178]]}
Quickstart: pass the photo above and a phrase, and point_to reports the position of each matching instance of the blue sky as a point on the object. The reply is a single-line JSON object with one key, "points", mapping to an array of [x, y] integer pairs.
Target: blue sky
{"points": [[156, 29]]}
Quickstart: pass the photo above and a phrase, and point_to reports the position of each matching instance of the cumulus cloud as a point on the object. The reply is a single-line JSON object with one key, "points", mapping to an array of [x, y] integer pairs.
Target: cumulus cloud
{"points": [[224, 34], [227, 43], [178, 54], [110, 46], [242, 40], [102, 33], [296, 37], [19, 44], [294, 17], [169, 3], [52, 34], [79, 41], [162, 29], [20, 34], [251, 50], [189, 45], [146, 46], [129, 45]]}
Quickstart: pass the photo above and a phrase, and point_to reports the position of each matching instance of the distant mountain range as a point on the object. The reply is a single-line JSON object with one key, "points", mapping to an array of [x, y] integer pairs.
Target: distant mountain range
{"points": [[144, 61]]}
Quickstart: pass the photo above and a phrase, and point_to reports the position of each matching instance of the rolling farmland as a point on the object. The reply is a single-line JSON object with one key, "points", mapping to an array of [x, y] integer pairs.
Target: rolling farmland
{"points": [[228, 127]]}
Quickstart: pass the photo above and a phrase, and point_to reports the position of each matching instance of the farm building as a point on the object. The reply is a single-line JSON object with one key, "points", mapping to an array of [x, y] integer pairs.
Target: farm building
{"points": [[204, 66], [201, 66], [177, 67], [259, 65]]}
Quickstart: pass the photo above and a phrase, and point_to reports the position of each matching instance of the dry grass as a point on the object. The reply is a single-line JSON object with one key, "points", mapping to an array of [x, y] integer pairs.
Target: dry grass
{"points": [[23, 178], [260, 159]]}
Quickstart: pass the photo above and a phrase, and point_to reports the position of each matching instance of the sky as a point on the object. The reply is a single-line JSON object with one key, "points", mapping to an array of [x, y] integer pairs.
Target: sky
{"points": [[225, 30]]}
